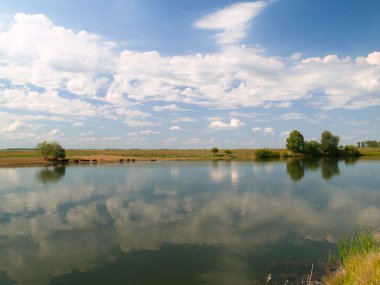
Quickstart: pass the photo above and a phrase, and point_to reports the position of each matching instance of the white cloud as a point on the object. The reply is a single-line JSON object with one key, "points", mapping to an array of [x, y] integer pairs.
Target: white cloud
{"points": [[374, 58], [234, 123], [172, 107], [233, 21], [175, 128], [149, 132], [256, 129], [269, 131], [184, 120], [285, 133], [35, 51], [293, 116], [13, 127], [78, 124], [54, 132]]}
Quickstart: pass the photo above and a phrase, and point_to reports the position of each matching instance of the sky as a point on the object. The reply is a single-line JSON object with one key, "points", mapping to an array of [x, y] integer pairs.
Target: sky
{"points": [[187, 73]]}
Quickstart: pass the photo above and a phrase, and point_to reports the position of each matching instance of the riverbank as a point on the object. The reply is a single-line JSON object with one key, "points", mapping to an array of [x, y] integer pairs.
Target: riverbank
{"points": [[32, 157]]}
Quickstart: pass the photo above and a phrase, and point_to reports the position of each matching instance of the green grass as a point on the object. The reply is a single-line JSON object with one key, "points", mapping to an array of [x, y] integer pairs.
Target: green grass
{"points": [[18, 153], [359, 260]]}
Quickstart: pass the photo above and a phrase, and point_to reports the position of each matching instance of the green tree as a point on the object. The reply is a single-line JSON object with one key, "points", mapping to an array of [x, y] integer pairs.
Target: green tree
{"points": [[215, 150], [51, 149], [295, 142], [312, 148], [44, 148], [227, 152], [329, 143]]}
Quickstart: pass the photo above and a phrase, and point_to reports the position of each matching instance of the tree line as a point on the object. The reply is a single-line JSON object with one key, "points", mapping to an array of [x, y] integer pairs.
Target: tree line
{"points": [[327, 146], [369, 144]]}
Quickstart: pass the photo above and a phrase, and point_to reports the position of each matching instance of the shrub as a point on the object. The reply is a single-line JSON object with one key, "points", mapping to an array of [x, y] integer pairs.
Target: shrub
{"points": [[266, 153], [312, 148], [351, 150]]}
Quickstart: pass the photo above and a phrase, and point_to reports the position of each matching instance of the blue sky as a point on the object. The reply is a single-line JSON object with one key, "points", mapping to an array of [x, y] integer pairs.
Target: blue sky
{"points": [[187, 74]]}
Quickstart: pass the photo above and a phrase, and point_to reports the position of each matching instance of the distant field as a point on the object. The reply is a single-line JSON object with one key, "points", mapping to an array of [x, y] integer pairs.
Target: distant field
{"points": [[370, 151], [168, 154], [193, 154]]}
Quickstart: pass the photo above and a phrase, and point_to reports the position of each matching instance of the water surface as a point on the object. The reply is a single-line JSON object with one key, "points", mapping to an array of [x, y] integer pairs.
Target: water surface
{"points": [[180, 222]]}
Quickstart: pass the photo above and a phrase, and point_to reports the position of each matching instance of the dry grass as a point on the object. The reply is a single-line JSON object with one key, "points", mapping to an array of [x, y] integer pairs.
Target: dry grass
{"points": [[358, 270]]}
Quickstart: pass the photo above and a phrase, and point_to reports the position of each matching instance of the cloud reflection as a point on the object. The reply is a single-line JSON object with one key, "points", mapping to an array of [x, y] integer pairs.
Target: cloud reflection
{"points": [[51, 231]]}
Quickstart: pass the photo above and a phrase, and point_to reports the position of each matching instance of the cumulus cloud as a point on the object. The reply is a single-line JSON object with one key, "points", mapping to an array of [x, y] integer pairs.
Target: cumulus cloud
{"points": [[35, 51], [41, 62], [233, 21], [233, 124]]}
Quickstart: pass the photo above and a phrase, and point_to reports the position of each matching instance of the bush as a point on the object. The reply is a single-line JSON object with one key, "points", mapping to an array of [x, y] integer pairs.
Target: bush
{"points": [[266, 153], [312, 148], [351, 150]]}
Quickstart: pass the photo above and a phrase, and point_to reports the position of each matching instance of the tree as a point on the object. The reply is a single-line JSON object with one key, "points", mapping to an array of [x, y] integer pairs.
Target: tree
{"points": [[295, 142], [51, 149], [312, 148], [329, 143], [44, 148], [227, 152], [215, 150]]}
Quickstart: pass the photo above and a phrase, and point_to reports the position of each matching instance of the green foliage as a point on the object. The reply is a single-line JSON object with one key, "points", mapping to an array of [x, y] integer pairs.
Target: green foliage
{"points": [[266, 153], [361, 243], [51, 149], [351, 150], [215, 150], [295, 142], [227, 152], [312, 148], [329, 143]]}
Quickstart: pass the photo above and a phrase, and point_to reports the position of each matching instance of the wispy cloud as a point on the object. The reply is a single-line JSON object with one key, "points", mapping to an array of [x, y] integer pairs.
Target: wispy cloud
{"points": [[233, 21]]}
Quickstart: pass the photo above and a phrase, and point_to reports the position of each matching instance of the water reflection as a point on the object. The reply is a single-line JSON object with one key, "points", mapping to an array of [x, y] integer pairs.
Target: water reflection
{"points": [[329, 166], [51, 173], [133, 222]]}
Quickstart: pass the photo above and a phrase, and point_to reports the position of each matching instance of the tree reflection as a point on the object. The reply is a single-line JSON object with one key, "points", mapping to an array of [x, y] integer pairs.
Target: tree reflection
{"points": [[329, 166], [295, 168], [51, 174]]}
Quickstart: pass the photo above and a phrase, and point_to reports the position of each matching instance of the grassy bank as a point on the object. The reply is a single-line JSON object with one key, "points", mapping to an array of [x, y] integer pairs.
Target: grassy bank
{"points": [[169, 154], [359, 260], [32, 157]]}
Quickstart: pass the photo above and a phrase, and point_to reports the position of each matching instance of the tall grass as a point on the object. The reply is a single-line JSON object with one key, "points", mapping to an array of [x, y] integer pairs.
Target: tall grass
{"points": [[361, 243], [358, 258]]}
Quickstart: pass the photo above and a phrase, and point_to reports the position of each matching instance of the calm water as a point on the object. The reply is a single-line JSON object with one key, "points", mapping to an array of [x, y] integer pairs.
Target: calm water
{"points": [[180, 222]]}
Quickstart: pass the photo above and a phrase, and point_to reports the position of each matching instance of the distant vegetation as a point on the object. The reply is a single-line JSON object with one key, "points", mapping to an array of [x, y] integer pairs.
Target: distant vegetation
{"points": [[327, 146], [266, 153], [369, 144]]}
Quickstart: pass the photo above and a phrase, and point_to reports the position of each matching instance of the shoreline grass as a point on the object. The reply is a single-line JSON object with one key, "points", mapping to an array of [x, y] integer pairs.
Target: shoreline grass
{"points": [[358, 258]]}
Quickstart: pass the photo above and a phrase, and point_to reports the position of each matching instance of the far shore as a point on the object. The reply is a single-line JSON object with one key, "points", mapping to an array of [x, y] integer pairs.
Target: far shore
{"points": [[25, 158]]}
